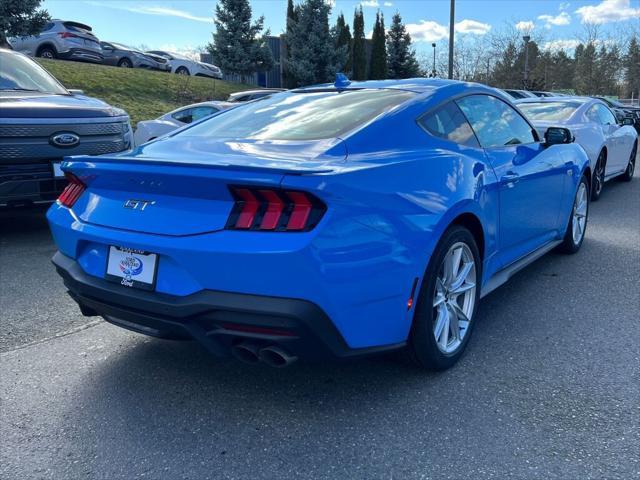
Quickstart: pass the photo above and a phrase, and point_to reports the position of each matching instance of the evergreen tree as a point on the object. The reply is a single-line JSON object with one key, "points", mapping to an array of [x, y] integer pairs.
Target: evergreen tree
{"points": [[585, 69], [561, 75], [632, 69], [358, 47], [20, 18], [342, 35], [313, 57], [237, 47], [292, 18], [378, 50], [401, 59], [504, 73]]}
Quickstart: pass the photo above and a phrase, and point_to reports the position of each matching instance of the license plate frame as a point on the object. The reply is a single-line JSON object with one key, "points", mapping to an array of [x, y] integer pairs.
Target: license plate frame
{"points": [[132, 268]]}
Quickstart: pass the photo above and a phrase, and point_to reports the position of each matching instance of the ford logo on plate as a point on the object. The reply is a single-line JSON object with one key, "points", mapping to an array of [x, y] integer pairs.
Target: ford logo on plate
{"points": [[65, 139]]}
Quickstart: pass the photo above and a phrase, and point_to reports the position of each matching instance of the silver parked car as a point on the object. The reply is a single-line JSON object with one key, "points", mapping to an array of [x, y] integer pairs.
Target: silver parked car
{"points": [[61, 39], [120, 55]]}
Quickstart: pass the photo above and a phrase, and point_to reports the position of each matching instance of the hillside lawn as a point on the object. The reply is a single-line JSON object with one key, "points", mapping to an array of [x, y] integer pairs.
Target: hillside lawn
{"points": [[142, 93]]}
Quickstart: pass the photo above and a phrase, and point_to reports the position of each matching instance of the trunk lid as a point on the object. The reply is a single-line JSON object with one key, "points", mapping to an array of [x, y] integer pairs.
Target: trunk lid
{"points": [[179, 192]]}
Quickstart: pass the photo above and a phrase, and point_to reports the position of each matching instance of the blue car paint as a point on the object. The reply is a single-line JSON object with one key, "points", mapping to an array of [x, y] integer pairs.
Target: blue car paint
{"points": [[391, 189]]}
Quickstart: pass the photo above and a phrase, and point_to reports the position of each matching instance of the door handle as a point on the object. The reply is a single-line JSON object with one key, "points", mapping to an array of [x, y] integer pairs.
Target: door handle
{"points": [[510, 178]]}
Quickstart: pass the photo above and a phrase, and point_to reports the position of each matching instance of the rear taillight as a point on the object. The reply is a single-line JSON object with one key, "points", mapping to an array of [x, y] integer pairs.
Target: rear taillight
{"points": [[68, 35], [274, 210], [72, 191]]}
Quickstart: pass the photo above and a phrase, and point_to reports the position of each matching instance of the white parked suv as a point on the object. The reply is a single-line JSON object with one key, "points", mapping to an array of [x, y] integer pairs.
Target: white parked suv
{"points": [[61, 39], [186, 66]]}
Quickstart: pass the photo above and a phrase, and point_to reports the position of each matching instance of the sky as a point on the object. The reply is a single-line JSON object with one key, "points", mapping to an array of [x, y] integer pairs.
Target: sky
{"points": [[186, 25]]}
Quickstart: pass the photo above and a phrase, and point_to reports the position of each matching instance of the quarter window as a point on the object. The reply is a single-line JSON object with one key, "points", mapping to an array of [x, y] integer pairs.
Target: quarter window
{"points": [[495, 123], [449, 123]]}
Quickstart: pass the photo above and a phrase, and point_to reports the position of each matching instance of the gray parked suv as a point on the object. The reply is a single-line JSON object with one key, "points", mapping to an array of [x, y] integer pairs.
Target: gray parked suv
{"points": [[40, 123], [61, 39]]}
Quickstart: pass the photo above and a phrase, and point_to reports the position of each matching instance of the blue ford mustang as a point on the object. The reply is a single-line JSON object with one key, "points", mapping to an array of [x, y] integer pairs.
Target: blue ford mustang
{"points": [[334, 220]]}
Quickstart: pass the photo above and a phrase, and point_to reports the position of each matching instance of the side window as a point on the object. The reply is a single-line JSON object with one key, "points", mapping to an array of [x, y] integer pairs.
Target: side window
{"points": [[592, 115], [449, 123], [184, 116], [48, 26], [606, 117], [495, 123], [201, 112]]}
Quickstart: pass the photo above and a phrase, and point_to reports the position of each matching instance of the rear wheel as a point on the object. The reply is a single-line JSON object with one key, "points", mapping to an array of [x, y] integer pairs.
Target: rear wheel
{"points": [[47, 52], [598, 177], [125, 63], [182, 71], [447, 302], [631, 166], [577, 227]]}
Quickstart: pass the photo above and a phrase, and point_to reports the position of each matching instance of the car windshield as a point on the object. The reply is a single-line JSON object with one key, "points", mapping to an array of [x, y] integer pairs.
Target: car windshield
{"points": [[301, 115], [120, 46], [548, 111], [19, 73]]}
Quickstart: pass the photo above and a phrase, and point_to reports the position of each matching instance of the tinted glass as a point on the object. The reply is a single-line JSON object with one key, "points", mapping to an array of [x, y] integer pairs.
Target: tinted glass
{"points": [[449, 123], [495, 123], [606, 117], [17, 72], [201, 112], [548, 111], [592, 115], [301, 116]]}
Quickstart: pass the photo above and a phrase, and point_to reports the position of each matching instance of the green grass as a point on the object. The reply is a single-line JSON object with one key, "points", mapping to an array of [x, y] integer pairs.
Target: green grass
{"points": [[143, 94]]}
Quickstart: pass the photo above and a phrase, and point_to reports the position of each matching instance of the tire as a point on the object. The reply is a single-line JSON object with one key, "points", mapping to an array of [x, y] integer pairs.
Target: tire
{"points": [[47, 52], [576, 229], [598, 177], [182, 71], [627, 176], [427, 348], [125, 63]]}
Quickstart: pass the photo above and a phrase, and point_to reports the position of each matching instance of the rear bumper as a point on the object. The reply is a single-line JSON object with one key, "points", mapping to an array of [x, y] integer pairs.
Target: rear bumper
{"points": [[217, 320], [29, 183]]}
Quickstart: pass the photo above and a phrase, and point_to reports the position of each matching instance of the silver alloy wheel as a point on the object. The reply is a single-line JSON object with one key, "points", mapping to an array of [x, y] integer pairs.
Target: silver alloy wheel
{"points": [[632, 162], [47, 54], [454, 297], [579, 214], [599, 176]]}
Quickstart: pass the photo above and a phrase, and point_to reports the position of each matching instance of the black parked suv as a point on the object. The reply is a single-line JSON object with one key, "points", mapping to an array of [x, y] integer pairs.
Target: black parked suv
{"points": [[40, 123], [623, 111]]}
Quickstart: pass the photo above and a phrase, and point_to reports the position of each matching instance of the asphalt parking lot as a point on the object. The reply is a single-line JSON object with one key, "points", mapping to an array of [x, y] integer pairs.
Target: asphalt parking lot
{"points": [[549, 387]]}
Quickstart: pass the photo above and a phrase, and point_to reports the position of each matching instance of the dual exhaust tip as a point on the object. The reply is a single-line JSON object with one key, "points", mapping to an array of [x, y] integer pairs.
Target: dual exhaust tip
{"points": [[272, 355]]}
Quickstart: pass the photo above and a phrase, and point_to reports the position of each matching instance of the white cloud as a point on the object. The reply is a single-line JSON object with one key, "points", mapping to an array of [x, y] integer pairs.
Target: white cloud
{"points": [[556, 45], [525, 26], [608, 11], [472, 27], [155, 10], [370, 3], [388, 4], [427, 31], [563, 18]]}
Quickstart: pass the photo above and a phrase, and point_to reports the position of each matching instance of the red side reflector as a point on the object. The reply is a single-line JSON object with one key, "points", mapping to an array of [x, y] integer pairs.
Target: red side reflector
{"points": [[72, 191], [301, 210], [249, 208], [272, 214]]}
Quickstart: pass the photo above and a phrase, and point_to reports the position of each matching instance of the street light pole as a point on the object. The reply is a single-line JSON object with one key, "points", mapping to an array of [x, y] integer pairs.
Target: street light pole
{"points": [[526, 39], [433, 72], [452, 19]]}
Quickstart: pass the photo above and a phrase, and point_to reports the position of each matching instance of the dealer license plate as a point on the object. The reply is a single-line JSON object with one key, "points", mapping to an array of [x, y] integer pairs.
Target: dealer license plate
{"points": [[132, 268]]}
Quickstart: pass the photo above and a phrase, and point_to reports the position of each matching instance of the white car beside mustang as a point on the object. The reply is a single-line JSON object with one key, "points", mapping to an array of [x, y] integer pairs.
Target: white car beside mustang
{"points": [[185, 66], [611, 146]]}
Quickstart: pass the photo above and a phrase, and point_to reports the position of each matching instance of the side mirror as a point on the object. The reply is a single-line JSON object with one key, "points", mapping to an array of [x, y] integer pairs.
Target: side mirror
{"points": [[558, 136], [628, 121]]}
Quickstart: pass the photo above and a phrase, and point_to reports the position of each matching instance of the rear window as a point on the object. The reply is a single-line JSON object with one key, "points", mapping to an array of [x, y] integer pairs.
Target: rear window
{"points": [[301, 116], [548, 111]]}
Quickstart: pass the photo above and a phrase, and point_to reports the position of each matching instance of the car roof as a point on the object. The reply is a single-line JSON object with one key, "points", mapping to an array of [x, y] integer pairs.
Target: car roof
{"points": [[563, 98], [260, 90], [210, 103], [418, 85]]}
